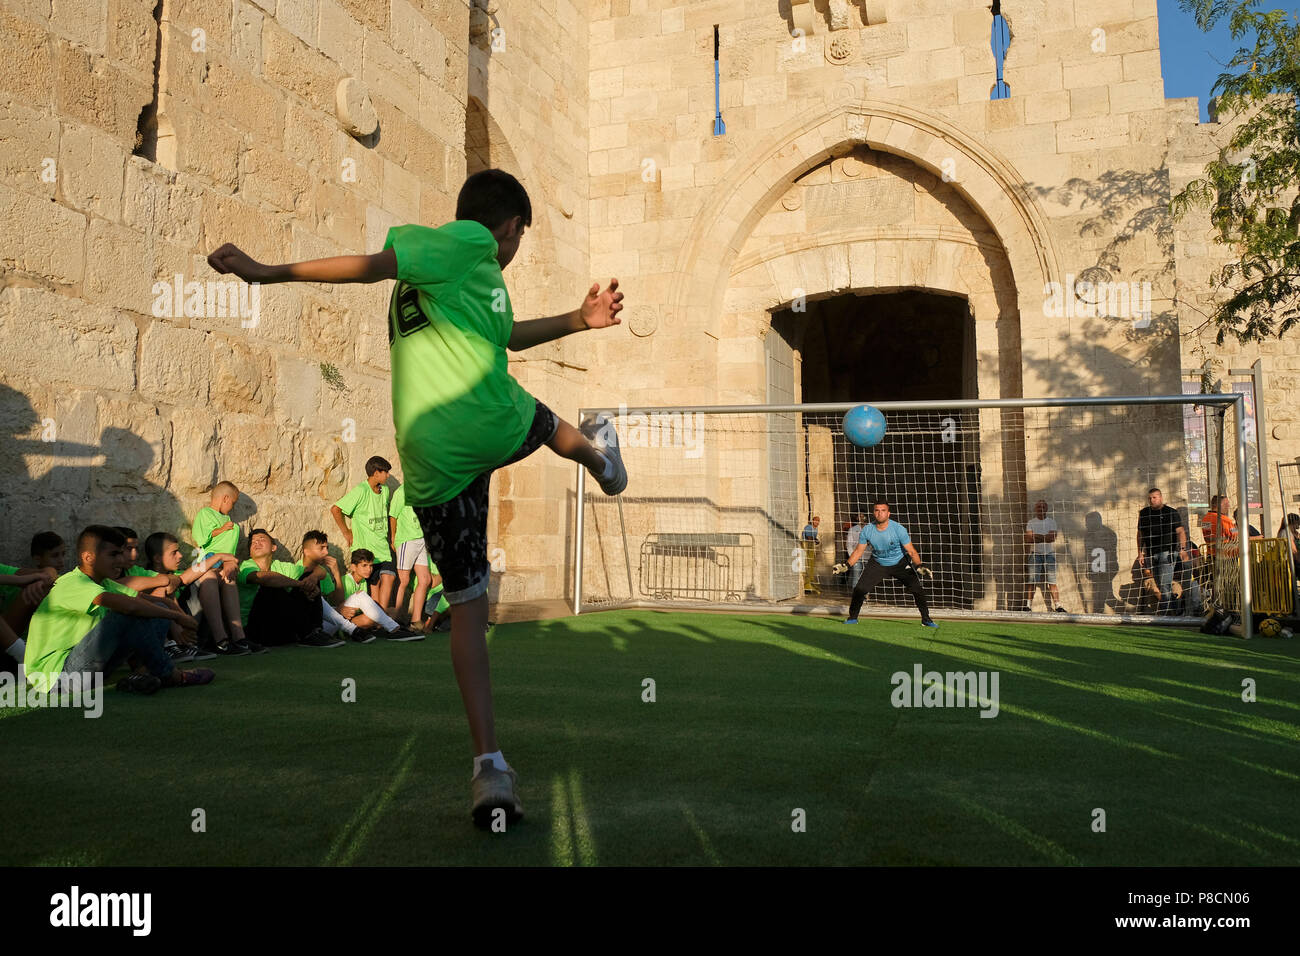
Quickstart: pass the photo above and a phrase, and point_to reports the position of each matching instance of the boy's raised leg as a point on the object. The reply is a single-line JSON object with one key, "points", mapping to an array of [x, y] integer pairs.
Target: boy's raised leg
{"points": [[602, 459]]}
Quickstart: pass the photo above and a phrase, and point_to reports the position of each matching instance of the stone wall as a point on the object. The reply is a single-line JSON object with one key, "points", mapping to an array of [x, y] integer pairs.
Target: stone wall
{"points": [[121, 405]]}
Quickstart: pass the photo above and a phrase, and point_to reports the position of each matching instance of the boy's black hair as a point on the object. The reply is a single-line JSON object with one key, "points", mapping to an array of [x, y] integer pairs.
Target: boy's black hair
{"points": [[493, 196], [95, 536], [44, 542], [375, 464], [126, 532], [153, 548], [362, 554], [319, 536], [256, 531]]}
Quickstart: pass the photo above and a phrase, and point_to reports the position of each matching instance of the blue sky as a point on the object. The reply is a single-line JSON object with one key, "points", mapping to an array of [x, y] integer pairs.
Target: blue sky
{"points": [[1191, 60]]}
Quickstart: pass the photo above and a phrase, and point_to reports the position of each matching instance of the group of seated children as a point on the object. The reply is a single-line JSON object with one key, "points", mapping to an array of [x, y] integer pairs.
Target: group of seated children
{"points": [[112, 610]]}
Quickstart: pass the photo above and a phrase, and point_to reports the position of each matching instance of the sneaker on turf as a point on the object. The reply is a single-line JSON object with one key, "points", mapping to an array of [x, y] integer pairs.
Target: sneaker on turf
{"points": [[404, 634], [139, 684], [180, 654], [231, 649], [201, 654], [318, 638], [605, 440], [495, 789], [929, 623], [850, 620], [252, 646], [364, 635], [193, 677]]}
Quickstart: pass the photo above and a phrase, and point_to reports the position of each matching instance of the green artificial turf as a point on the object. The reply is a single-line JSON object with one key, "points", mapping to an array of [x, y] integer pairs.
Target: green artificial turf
{"points": [[754, 717]]}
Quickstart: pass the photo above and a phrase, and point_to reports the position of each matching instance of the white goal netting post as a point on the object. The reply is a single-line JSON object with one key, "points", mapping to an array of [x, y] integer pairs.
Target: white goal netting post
{"points": [[720, 500]]}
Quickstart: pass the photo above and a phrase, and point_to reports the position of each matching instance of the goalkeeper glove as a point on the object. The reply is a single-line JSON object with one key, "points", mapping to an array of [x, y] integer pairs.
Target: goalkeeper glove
{"points": [[840, 568], [924, 572]]}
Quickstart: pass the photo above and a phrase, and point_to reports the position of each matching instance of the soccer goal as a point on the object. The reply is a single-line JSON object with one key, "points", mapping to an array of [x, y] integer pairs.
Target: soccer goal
{"points": [[721, 500]]}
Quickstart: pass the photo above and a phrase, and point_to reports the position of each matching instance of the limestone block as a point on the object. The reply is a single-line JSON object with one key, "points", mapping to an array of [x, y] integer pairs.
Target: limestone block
{"points": [[325, 335], [175, 363], [40, 238], [279, 315], [298, 387], [1137, 95], [324, 473], [1049, 107], [255, 455], [299, 17], [369, 14], [416, 38], [135, 442], [241, 376], [161, 203], [131, 34], [26, 65], [246, 37], [210, 16], [91, 170], [119, 267], [1102, 133], [263, 235], [194, 450], [1101, 70], [265, 175], [288, 62], [341, 37], [29, 151], [208, 148], [95, 92], [255, 107], [81, 21], [428, 163], [935, 33], [383, 69]]}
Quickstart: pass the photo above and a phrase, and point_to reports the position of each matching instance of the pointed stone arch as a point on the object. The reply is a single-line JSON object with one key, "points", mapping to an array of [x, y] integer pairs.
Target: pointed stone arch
{"points": [[987, 181]]}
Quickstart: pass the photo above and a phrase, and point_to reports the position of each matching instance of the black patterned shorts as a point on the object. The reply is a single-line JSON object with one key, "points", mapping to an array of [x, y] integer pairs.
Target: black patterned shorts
{"points": [[455, 532]]}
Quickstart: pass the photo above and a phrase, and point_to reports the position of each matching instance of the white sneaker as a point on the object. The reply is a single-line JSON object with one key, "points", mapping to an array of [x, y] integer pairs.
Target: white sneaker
{"points": [[605, 440], [495, 789]]}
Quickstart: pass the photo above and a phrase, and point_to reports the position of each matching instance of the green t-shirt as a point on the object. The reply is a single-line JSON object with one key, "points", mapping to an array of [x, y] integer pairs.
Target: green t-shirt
{"points": [[65, 616], [352, 586], [369, 514], [135, 571], [8, 592], [209, 520], [457, 410], [248, 589], [408, 525]]}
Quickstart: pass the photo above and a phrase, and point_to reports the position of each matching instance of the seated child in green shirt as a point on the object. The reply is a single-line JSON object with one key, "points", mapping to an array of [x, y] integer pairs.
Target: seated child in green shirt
{"points": [[89, 624]]}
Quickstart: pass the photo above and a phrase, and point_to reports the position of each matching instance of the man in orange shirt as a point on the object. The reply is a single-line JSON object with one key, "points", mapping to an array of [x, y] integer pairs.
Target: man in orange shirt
{"points": [[1216, 526]]}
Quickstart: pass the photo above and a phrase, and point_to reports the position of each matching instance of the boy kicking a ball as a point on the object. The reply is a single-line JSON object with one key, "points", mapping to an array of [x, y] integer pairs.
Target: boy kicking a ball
{"points": [[459, 414]]}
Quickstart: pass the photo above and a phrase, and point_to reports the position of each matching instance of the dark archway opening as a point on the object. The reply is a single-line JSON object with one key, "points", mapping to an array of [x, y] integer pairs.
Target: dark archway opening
{"points": [[907, 345]]}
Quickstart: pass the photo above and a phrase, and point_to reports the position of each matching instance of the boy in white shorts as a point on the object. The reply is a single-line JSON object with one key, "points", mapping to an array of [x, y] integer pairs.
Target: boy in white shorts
{"points": [[357, 614], [412, 554]]}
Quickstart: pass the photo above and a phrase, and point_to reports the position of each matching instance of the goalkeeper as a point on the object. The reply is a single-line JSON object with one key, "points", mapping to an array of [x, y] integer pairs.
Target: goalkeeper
{"points": [[888, 540]]}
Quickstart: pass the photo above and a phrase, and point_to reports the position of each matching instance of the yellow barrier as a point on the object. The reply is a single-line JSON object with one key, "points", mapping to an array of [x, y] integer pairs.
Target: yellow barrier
{"points": [[1272, 586]]}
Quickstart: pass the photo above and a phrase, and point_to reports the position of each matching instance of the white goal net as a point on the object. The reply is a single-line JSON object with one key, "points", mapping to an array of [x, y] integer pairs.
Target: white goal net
{"points": [[1011, 503]]}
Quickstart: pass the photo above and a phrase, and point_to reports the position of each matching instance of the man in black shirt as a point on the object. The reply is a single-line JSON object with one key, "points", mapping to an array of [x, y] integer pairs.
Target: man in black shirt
{"points": [[1162, 542]]}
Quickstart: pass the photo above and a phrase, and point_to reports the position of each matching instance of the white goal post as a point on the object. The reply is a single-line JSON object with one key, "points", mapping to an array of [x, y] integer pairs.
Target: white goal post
{"points": [[717, 512]]}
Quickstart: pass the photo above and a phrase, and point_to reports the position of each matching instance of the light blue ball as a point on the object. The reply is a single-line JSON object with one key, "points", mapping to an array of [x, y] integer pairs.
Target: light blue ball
{"points": [[864, 426]]}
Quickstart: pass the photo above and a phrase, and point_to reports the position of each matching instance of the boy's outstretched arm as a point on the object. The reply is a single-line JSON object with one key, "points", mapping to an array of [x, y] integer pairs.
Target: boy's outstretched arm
{"points": [[598, 310], [230, 259]]}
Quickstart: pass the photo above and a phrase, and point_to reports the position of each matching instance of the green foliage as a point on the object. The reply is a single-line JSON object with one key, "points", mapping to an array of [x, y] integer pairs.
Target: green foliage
{"points": [[1250, 188], [333, 377]]}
